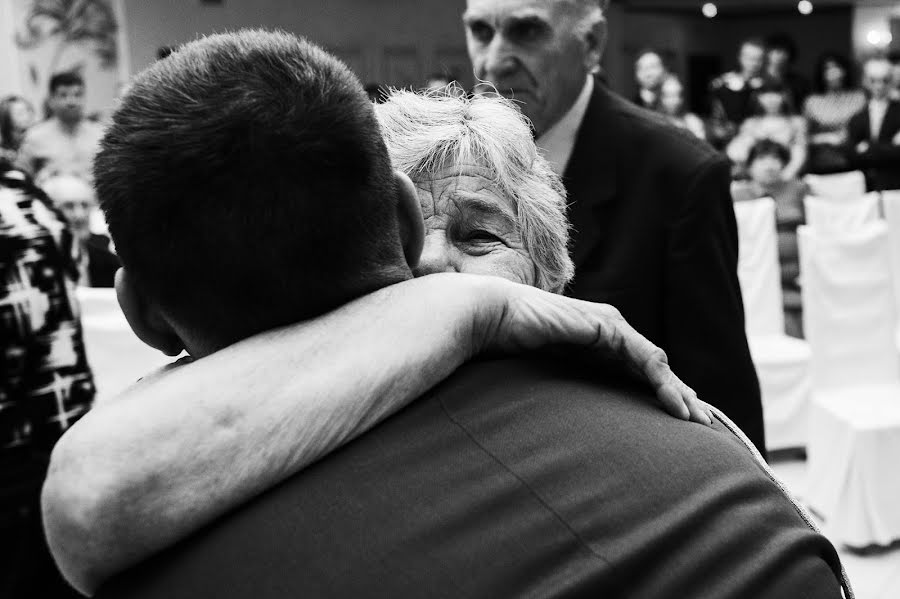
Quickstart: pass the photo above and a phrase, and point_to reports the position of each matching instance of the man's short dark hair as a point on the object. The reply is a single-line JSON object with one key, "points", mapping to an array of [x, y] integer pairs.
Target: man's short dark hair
{"points": [[67, 79], [247, 186], [768, 147]]}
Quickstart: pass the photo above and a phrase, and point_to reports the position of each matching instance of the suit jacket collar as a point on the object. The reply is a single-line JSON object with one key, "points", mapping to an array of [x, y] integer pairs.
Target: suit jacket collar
{"points": [[590, 177]]}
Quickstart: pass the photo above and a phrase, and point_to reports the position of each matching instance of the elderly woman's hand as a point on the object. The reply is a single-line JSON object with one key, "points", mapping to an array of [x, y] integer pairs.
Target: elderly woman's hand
{"points": [[516, 318]]}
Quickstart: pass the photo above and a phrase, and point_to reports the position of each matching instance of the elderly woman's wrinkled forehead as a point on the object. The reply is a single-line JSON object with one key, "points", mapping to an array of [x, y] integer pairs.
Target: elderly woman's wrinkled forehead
{"points": [[459, 182]]}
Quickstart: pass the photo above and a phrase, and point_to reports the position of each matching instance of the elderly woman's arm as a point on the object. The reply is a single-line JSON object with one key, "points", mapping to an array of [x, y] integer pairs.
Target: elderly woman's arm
{"points": [[181, 448]]}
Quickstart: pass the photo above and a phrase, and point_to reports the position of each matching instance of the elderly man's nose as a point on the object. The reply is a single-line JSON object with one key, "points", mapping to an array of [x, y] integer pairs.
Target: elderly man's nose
{"points": [[499, 60], [435, 256]]}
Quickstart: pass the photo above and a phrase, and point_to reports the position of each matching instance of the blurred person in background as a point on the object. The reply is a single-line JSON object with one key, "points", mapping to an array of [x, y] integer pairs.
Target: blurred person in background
{"points": [[649, 72], [67, 141], [894, 59], [765, 167], [75, 198], [873, 134], [650, 205], [773, 120], [731, 94], [781, 53], [828, 112], [16, 116], [671, 104], [45, 382]]}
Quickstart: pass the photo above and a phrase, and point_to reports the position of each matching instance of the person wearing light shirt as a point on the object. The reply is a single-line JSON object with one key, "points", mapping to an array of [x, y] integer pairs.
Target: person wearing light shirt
{"points": [[873, 140], [653, 224]]}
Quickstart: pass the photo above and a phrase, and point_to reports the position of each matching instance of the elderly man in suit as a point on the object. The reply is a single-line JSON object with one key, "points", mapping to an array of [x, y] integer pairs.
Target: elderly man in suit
{"points": [[654, 229], [873, 134]]}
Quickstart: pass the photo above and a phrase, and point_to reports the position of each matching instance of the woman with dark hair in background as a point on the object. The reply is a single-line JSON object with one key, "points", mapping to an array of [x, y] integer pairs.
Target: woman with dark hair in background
{"points": [[671, 105], [16, 116], [772, 119], [828, 111], [766, 163]]}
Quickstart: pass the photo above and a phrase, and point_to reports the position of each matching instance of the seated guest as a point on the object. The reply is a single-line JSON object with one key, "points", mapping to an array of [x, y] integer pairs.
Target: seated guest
{"points": [[671, 104], [828, 112], [74, 197], [771, 120], [649, 72], [873, 134], [551, 484], [67, 141], [781, 53], [765, 165], [16, 116], [731, 94]]}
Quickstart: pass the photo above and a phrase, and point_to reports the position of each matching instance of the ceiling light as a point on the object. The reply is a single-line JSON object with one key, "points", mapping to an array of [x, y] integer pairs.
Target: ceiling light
{"points": [[709, 10], [805, 7]]}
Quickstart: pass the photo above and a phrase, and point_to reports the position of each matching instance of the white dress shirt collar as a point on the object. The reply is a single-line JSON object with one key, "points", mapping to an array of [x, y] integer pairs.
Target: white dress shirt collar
{"points": [[877, 110], [557, 143]]}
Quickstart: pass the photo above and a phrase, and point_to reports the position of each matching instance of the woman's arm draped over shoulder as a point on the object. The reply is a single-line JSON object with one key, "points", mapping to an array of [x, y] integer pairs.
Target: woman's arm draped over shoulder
{"points": [[180, 448]]}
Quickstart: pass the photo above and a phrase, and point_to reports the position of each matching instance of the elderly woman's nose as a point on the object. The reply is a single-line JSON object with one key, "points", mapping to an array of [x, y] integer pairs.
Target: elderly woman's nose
{"points": [[436, 255]]}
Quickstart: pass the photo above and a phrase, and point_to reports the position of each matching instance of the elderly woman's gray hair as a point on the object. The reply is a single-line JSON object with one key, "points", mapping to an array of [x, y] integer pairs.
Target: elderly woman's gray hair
{"points": [[426, 132]]}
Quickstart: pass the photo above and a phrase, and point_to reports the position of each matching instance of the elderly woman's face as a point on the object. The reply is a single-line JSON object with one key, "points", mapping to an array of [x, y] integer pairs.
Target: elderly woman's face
{"points": [[470, 227]]}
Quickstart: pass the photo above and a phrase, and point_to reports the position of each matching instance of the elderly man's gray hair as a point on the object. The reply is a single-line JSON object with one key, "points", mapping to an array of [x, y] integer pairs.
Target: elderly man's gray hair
{"points": [[425, 132]]}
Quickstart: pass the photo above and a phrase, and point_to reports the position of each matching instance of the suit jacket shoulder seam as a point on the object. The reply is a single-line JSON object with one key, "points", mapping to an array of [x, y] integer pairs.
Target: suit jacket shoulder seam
{"points": [[537, 496]]}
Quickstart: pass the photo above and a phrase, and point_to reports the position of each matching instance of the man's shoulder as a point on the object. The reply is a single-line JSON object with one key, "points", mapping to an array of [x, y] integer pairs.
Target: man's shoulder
{"points": [[42, 131], [641, 134]]}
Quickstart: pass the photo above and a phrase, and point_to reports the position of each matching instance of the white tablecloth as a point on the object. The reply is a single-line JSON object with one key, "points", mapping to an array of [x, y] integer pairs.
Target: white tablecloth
{"points": [[854, 464]]}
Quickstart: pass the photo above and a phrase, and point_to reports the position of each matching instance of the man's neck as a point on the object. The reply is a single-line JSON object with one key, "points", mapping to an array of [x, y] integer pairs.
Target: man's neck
{"points": [[68, 127]]}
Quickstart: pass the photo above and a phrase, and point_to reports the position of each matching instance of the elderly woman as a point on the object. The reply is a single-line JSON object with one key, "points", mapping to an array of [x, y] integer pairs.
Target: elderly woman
{"points": [[492, 206]]}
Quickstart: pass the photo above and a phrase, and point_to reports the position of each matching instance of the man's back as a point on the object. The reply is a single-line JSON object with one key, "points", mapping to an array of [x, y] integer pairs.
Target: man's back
{"points": [[546, 485]]}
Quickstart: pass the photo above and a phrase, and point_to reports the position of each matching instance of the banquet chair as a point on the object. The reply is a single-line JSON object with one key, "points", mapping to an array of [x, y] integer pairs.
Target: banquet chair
{"points": [[854, 415], [841, 215], [116, 356], [782, 362], [839, 185]]}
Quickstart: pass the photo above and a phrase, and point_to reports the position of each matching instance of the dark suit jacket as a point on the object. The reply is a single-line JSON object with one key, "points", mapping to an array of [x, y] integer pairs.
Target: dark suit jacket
{"points": [[102, 264], [511, 479], [655, 236], [881, 162]]}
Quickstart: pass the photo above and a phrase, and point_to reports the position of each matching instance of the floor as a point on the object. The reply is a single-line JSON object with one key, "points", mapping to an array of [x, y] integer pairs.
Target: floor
{"points": [[875, 575]]}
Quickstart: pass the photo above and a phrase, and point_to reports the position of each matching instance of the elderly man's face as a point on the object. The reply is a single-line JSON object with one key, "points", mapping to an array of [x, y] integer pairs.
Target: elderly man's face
{"points": [[877, 78], [530, 51], [471, 227]]}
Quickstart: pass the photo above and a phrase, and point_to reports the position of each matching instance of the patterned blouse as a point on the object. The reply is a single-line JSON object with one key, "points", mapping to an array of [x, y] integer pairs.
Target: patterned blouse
{"points": [[830, 113], [45, 382]]}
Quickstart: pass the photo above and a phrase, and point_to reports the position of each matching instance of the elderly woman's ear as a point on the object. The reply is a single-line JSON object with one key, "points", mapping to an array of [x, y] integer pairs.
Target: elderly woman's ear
{"points": [[409, 217]]}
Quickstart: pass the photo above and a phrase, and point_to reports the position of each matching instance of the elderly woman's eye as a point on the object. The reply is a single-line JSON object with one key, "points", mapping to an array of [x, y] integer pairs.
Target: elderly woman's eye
{"points": [[480, 236]]}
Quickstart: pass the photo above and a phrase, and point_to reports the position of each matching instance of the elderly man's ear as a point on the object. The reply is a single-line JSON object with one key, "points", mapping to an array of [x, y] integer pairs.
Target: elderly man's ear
{"points": [[595, 44], [145, 317], [409, 216]]}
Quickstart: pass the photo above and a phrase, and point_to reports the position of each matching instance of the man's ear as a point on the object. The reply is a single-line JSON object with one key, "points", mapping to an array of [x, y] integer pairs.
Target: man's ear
{"points": [[595, 44], [144, 317], [409, 215]]}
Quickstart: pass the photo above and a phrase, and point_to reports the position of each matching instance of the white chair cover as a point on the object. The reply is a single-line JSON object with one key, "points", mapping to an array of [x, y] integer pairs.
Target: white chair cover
{"points": [[849, 313], [116, 356], [852, 476], [782, 363], [840, 185], [841, 215], [758, 270], [854, 436], [890, 200]]}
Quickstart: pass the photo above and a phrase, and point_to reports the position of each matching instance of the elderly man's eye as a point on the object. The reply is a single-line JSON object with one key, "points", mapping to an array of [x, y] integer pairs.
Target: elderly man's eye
{"points": [[526, 31], [481, 31]]}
